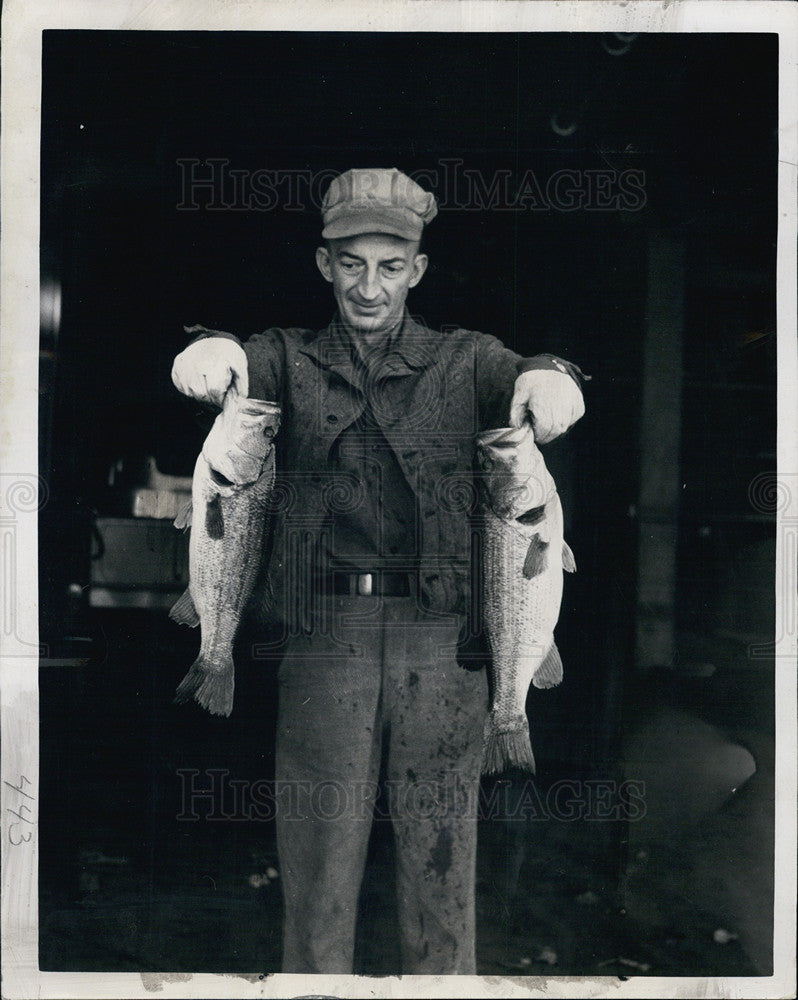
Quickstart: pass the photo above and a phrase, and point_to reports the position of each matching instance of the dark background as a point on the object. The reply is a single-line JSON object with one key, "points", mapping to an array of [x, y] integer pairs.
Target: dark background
{"points": [[696, 115]]}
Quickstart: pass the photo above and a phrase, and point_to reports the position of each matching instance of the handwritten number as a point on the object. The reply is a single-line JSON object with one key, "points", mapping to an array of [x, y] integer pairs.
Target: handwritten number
{"points": [[24, 808]]}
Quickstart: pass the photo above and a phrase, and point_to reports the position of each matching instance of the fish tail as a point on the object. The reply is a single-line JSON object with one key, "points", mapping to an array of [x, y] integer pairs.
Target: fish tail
{"points": [[568, 561], [503, 749], [211, 688]]}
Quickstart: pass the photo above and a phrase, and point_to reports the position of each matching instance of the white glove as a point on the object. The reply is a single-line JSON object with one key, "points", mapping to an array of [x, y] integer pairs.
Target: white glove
{"points": [[552, 399], [206, 369]]}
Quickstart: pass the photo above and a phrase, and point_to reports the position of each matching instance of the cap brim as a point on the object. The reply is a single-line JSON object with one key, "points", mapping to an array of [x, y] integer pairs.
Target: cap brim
{"points": [[359, 222]]}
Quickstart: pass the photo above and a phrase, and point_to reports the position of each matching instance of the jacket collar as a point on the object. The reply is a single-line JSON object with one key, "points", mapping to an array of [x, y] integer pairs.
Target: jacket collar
{"points": [[413, 348]]}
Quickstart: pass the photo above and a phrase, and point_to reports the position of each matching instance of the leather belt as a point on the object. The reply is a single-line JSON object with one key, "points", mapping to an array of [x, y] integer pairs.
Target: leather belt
{"points": [[377, 583]]}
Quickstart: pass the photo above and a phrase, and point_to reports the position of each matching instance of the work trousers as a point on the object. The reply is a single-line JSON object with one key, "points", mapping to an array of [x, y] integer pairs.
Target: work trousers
{"points": [[381, 669]]}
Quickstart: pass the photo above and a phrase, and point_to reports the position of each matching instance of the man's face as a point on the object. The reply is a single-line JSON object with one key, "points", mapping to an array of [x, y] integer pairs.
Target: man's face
{"points": [[371, 276]]}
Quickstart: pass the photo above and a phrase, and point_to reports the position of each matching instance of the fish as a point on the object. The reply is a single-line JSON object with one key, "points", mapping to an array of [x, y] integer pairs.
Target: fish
{"points": [[523, 558], [228, 517]]}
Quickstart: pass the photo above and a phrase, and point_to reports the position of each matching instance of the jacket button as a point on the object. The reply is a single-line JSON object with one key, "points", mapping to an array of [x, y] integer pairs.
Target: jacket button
{"points": [[331, 418]]}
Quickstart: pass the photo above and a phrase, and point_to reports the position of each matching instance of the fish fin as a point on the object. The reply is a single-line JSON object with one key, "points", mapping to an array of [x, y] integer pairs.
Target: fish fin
{"points": [[568, 561], [549, 673], [503, 749], [184, 611], [268, 602], [183, 519], [214, 518], [535, 561], [212, 689]]}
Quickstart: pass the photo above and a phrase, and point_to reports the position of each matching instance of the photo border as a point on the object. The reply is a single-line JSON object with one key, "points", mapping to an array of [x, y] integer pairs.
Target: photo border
{"points": [[22, 492]]}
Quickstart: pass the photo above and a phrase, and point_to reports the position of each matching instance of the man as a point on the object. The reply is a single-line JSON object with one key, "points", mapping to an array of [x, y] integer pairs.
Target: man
{"points": [[370, 567]]}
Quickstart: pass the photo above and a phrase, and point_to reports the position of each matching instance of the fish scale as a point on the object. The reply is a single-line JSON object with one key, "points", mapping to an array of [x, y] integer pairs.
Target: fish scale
{"points": [[228, 523], [522, 586]]}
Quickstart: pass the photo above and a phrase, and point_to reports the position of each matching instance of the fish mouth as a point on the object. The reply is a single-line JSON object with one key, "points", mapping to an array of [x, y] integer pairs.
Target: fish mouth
{"points": [[251, 407], [505, 437]]}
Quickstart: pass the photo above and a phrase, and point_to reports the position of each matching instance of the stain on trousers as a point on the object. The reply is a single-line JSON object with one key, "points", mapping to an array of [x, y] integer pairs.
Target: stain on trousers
{"points": [[383, 670]]}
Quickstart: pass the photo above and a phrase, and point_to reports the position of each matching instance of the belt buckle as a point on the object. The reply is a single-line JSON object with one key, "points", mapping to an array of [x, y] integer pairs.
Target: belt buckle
{"points": [[365, 584]]}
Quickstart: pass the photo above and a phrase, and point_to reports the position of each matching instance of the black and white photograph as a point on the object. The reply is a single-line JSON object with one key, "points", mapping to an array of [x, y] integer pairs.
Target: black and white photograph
{"points": [[399, 499]]}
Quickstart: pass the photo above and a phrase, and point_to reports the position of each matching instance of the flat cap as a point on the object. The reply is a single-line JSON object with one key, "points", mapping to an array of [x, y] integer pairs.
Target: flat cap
{"points": [[376, 201]]}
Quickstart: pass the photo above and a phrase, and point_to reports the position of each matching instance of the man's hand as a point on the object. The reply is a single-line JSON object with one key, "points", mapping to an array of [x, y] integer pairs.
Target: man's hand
{"points": [[206, 369], [551, 398]]}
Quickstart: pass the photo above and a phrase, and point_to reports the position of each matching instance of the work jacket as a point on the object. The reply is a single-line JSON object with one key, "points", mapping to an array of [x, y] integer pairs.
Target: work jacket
{"points": [[431, 395]]}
